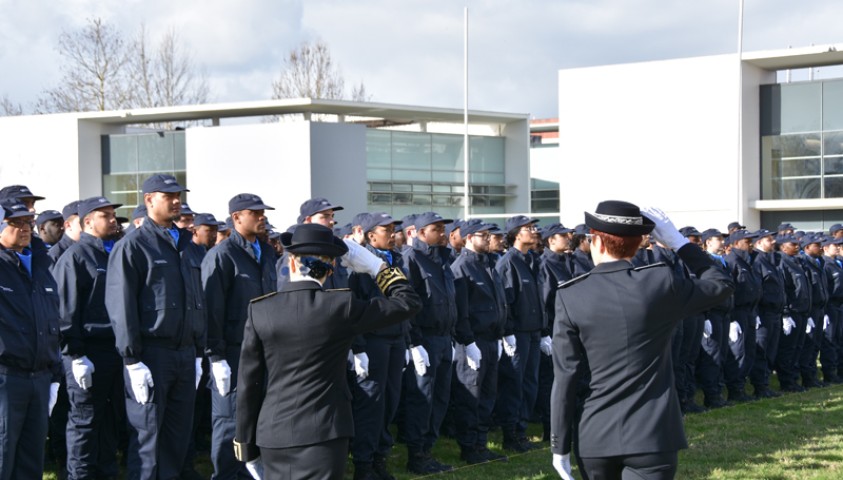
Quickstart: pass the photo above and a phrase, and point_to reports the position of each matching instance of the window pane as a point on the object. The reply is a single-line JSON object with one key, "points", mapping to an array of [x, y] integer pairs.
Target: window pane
{"points": [[832, 102], [486, 154], [378, 174], [410, 150], [179, 156], [155, 153], [833, 166], [414, 175], [447, 177], [833, 142], [798, 188], [801, 104], [378, 148], [834, 187], [447, 152], [122, 154], [797, 168]]}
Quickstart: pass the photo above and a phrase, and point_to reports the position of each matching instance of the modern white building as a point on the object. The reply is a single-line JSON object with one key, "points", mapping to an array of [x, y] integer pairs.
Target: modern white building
{"points": [[364, 156], [710, 139]]}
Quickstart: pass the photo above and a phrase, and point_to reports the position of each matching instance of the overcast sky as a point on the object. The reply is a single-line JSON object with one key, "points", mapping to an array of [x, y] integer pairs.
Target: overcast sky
{"points": [[411, 51]]}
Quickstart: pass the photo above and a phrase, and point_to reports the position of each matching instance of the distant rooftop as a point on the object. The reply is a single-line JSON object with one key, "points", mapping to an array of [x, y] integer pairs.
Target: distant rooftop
{"points": [[794, 58]]}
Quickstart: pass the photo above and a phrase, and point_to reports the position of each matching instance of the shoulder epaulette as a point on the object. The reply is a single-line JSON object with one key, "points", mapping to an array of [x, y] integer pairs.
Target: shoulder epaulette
{"points": [[263, 297], [645, 267], [337, 290], [573, 281]]}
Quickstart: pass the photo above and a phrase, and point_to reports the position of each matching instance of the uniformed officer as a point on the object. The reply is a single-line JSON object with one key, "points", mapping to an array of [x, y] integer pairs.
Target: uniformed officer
{"points": [[50, 226], [812, 262], [379, 359], [155, 302], [321, 211], [741, 354], [581, 257], [22, 194], [481, 306], [236, 271], [293, 405], [29, 344], [622, 319], [518, 374], [138, 214], [734, 227], [408, 227], [205, 228], [427, 386], [93, 368], [829, 358], [715, 339], [768, 320], [797, 306], [185, 221], [72, 230]]}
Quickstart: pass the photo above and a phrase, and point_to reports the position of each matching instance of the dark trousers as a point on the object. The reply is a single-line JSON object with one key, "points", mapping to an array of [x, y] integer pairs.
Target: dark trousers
{"points": [[57, 426], [741, 354], [201, 420], [157, 443], [426, 397], [23, 415], [828, 348], [91, 425], [518, 382], [321, 461], [689, 351], [811, 347], [648, 466], [788, 351], [713, 355], [223, 424], [473, 395], [375, 399], [766, 348], [542, 408]]}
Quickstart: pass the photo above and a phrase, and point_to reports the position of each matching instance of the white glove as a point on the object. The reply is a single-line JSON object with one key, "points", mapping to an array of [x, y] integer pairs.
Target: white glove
{"points": [[420, 360], [707, 331], [757, 323], [198, 371], [141, 379], [361, 365], [826, 323], [500, 349], [83, 370], [562, 465], [406, 357], [361, 260], [664, 231], [509, 345], [221, 372], [546, 346], [453, 353], [788, 325], [810, 325], [735, 332], [255, 468], [54, 397], [473, 356]]}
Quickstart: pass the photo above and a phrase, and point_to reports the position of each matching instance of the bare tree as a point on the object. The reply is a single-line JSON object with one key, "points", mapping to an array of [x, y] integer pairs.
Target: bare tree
{"points": [[9, 108], [310, 72], [93, 73], [165, 76]]}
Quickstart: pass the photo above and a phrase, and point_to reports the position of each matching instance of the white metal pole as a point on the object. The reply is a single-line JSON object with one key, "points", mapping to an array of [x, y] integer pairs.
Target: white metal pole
{"points": [[740, 188], [465, 115]]}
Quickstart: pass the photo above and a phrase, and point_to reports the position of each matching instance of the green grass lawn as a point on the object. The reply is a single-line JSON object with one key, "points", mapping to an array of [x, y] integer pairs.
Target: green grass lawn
{"points": [[797, 436]]}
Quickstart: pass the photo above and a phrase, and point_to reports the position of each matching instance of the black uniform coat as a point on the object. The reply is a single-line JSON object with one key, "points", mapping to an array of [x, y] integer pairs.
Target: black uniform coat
{"points": [[622, 320], [293, 388]]}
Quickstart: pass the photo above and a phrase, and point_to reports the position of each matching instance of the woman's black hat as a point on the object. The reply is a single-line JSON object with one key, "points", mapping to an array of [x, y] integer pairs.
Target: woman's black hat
{"points": [[619, 218], [313, 239]]}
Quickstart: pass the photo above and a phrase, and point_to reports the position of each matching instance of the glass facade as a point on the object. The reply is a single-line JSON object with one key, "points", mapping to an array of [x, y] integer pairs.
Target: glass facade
{"points": [[544, 196], [128, 159], [410, 172], [802, 140]]}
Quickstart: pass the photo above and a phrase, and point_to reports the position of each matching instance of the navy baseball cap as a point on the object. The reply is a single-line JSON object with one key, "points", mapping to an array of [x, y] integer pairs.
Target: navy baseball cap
{"points": [[785, 226], [360, 219], [71, 209], [48, 215], [554, 229], [809, 239], [226, 225], [185, 209], [582, 229], [246, 201], [343, 231], [458, 223], [689, 232], [424, 219], [18, 192], [711, 232], [741, 234], [765, 233], [377, 219], [496, 229], [88, 205], [14, 208], [316, 205], [518, 221], [139, 211], [735, 225], [408, 221], [162, 183], [206, 219], [470, 227], [835, 228], [781, 239]]}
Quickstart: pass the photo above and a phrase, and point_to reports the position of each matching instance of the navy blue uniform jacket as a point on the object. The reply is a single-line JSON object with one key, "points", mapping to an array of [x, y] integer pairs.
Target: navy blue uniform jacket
{"points": [[622, 320], [430, 276], [481, 301]]}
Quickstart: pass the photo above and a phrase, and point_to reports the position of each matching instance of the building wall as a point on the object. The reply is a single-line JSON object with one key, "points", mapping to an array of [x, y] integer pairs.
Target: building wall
{"points": [[338, 167], [656, 133], [270, 160], [517, 165]]}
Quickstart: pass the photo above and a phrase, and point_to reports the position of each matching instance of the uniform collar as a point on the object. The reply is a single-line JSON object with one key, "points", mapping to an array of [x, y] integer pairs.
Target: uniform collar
{"points": [[292, 286], [614, 266]]}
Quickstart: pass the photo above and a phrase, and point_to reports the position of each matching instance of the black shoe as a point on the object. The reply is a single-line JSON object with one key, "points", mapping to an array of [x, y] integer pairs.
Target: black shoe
{"points": [[491, 456], [421, 464], [363, 471], [514, 445], [441, 467], [832, 379], [793, 388], [715, 403], [812, 384], [380, 470], [690, 407], [472, 456], [766, 393], [739, 397]]}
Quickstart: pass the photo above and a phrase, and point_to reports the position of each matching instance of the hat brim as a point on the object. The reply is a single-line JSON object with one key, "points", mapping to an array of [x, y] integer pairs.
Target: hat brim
{"points": [[619, 229], [115, 205], [257, 206], [519, 225], [336, 248], [421, 225], [173, 189]]}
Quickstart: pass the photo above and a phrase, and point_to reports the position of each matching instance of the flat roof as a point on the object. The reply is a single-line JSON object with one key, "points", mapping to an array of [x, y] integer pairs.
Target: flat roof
{"points": [[364, 110], [792, 58]]}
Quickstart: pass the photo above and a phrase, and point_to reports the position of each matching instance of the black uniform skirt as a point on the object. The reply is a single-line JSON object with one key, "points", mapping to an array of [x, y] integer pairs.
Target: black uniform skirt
{"points": [[324, 460]]}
